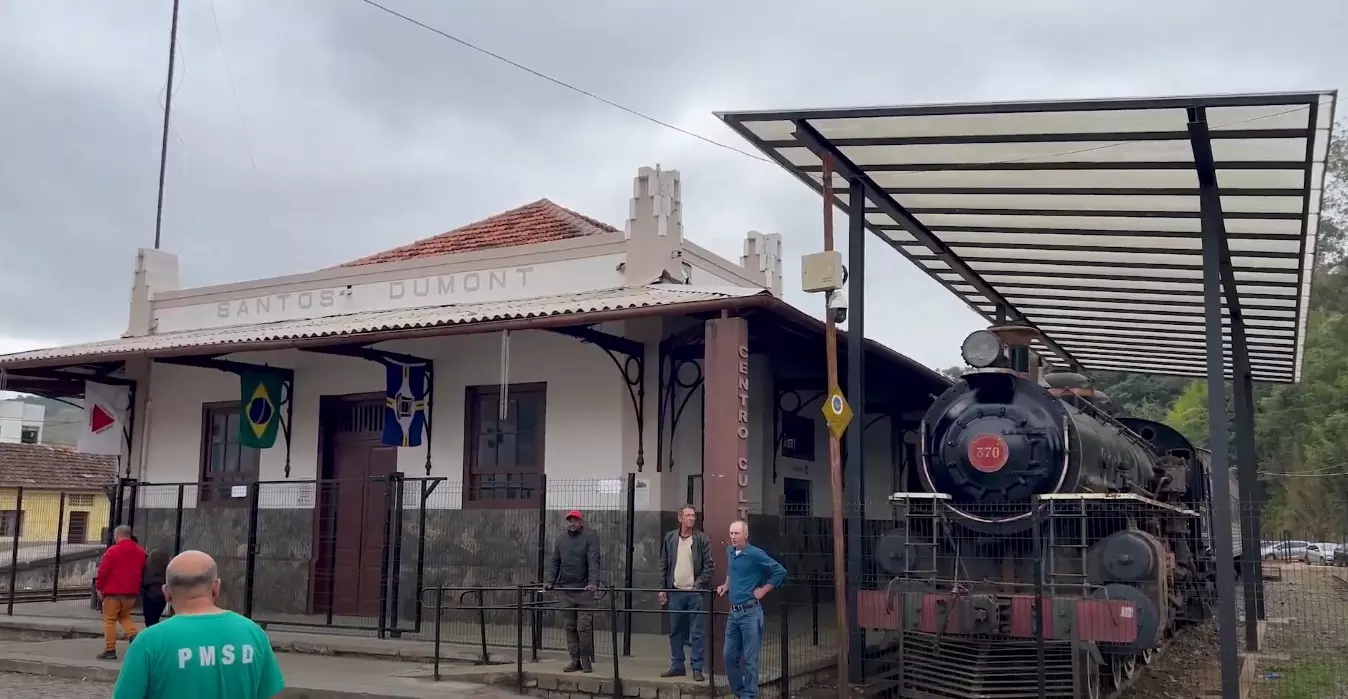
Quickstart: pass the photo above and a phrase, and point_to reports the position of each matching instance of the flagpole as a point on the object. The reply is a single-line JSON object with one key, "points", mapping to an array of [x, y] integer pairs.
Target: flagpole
{"points": [[168, 109]]}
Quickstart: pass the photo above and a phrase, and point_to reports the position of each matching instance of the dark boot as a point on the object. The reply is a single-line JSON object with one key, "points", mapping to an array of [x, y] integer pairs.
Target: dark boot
{"points": [[574, 666], [108, 655], [585, 664]]}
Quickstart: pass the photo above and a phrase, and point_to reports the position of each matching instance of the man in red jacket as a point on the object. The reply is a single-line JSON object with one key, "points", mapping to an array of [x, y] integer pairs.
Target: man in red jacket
{"points": [[118, 584]]}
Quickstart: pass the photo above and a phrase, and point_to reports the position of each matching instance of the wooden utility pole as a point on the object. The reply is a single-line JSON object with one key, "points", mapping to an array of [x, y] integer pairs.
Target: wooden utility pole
{"points": [[842, 634]]}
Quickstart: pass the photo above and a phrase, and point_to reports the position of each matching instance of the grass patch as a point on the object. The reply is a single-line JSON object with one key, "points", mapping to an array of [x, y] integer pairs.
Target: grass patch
{"points": [[1307, 679]]}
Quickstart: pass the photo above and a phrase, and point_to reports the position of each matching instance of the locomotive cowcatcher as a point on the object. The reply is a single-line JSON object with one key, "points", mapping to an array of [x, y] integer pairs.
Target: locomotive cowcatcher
{"points": [[1032, 500]]}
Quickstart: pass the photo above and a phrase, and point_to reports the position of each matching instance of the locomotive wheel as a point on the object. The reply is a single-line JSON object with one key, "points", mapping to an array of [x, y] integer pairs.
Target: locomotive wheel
{"points": [[1147, 656], [1116, 675], [1092, 679], [1129, 663]]}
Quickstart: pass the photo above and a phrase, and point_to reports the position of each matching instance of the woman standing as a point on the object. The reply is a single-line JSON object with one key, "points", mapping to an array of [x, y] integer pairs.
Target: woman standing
{"points": [[152, 586]]}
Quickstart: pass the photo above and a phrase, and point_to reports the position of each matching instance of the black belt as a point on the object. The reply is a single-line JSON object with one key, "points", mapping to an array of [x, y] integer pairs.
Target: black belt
{"points": [[741, 607]]}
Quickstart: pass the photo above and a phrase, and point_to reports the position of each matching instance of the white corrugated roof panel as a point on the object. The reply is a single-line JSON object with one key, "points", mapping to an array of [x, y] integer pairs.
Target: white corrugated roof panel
{"points": [[1083, 217], [238, 338]]}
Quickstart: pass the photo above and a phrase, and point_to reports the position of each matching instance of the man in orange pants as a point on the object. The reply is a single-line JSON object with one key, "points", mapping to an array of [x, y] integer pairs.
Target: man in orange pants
{"points": [[118, 584]]}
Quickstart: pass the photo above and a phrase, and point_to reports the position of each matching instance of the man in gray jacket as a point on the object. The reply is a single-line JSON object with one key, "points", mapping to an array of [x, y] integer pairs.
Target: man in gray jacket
{"points": [[575, 565], [685, 568]]}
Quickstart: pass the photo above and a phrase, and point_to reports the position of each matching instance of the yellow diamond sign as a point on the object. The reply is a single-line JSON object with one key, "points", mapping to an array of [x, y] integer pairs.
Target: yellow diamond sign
{"points": [[837, 413]]}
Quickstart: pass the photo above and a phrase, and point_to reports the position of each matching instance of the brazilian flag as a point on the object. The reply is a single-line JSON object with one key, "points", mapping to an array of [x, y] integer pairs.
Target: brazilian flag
{"points": [[261, 401]]}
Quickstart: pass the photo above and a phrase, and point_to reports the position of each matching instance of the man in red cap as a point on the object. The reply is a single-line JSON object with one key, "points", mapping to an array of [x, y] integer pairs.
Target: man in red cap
{"points": [[574, 570]]}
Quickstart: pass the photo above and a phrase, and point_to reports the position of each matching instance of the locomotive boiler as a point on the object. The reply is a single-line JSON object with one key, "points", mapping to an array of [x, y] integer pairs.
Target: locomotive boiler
{"points": [[1039, 530]]}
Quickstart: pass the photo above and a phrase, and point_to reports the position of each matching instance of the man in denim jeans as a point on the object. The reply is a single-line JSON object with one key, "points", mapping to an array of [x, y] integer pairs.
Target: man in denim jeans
{"points": [[685, 567], [751, 576]]}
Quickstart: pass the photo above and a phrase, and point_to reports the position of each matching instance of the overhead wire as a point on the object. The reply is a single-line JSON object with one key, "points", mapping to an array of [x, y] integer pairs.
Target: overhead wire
{"points": [[562, 83]]}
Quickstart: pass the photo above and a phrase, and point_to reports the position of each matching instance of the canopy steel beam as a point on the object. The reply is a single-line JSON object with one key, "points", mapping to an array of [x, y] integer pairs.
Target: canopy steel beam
{"points": [[858, 179], [1214, 231]]}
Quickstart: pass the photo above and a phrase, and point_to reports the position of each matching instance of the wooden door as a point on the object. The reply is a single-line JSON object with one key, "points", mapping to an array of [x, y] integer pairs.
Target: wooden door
{"points": [[354, 505], [78, 528]]}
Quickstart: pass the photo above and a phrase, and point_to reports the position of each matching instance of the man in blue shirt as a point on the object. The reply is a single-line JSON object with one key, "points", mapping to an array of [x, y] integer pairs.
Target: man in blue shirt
{"points": [[751, 575]]}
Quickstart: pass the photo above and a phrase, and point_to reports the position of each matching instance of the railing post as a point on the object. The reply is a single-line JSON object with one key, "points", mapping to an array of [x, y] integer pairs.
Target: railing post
{"points": [[710, 634], [785, 689], [1037, 624], [627, 573], [14, 550], [613, 633], [135, 499], [115, 517], [333, 503], [250, 565], [60, 529], [396, 566], [178, 520], [519, 639], [439, 605], [536, 630], [385, 552], [421, 554]]}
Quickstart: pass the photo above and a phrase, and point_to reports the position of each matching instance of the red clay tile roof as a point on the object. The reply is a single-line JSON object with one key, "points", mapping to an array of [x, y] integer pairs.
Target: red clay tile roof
{"points": [[537, 222], [54, 467]]}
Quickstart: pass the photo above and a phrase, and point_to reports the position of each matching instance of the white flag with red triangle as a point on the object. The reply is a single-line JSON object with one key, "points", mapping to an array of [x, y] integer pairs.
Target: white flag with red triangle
{"points": [[106, 409]]}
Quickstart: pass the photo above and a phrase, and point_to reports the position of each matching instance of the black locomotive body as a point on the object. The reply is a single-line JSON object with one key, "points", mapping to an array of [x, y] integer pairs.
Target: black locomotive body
{"points": [[1032, 501]]}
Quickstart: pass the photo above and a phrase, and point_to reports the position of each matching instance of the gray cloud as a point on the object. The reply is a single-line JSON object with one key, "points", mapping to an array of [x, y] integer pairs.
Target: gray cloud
{"points": [[366, 132]]}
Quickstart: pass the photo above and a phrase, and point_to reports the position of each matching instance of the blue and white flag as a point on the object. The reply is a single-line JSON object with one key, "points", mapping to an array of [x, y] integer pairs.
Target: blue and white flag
{"points": [[405, 402]]}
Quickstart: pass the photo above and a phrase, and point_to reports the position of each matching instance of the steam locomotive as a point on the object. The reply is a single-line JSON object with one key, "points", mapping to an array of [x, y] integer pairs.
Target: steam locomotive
{"points": [[1031, 499]]}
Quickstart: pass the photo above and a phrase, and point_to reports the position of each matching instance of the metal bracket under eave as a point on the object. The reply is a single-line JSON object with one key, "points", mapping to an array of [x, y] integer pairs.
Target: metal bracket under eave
{"points": [[632, 369], [677, 352], [229, 366], [386, 358], [73, 383]]}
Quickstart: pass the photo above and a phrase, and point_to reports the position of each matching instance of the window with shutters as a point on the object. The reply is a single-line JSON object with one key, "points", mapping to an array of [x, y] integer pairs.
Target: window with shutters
{"points": [[503, 457]]}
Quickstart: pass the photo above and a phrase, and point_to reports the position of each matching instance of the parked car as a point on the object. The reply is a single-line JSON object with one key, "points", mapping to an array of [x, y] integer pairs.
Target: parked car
{"points": [[1320, 554], [1285, 551]]}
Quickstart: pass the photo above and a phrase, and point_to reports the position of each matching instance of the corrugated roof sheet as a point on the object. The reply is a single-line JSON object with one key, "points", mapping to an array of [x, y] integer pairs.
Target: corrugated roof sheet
{"points": [[1084, 218], [54, 467], [537, 222], [378, 321]]}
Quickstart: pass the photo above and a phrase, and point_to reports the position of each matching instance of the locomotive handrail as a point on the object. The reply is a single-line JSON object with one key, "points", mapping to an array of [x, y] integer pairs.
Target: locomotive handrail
{"points": [[1094, 411]]}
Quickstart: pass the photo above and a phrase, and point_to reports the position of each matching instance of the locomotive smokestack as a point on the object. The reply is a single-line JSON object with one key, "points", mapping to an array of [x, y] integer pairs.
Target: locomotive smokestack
{"points": [[1017, 339]]}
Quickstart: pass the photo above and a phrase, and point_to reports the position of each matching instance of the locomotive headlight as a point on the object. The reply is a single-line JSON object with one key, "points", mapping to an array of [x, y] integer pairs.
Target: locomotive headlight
{"points": [[981, 349]]}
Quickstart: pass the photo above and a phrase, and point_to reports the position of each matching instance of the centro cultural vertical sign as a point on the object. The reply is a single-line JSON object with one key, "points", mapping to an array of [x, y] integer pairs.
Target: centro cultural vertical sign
{"points": [[726, 483]]}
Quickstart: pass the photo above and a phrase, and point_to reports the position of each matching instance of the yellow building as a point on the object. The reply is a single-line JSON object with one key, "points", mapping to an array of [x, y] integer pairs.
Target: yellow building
{"points": [[65, 495]]}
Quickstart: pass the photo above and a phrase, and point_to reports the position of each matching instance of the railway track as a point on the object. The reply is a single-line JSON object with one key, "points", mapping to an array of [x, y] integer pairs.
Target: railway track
{"points": [[30, 596]]}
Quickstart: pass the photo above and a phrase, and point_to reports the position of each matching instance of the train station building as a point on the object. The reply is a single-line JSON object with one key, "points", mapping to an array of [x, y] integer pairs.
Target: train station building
{"points": [[537, 359]]}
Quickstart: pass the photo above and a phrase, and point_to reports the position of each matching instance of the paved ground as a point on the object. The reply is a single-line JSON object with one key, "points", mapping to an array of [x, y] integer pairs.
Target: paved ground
{"points": [[15, 686]]}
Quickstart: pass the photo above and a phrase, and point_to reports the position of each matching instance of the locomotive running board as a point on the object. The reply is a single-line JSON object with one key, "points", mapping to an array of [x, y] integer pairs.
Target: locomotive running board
{"points": [[1097, 498]]}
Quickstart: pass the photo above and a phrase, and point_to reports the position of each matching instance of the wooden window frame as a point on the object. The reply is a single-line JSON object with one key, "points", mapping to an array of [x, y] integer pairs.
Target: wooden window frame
{"points": [[470, 433], [207, 485]]}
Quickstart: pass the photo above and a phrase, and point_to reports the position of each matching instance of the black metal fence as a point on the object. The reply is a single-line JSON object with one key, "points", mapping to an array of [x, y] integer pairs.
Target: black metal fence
{"points": [[367, 557]]}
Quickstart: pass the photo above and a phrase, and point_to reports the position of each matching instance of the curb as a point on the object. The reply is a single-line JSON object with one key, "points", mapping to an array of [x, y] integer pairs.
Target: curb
{"points": [[27, 631], [108, 675]]}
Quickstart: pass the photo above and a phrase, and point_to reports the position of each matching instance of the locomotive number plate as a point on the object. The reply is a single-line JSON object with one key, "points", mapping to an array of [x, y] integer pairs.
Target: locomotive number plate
{"points": [[988, 452]]}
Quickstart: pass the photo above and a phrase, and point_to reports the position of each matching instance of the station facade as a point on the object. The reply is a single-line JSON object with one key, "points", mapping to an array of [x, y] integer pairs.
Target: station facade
{"points": [[553, 344]]}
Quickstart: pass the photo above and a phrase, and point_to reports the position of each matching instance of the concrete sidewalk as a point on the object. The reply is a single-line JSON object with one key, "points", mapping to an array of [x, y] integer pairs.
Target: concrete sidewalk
{"points": [[307, 676]]}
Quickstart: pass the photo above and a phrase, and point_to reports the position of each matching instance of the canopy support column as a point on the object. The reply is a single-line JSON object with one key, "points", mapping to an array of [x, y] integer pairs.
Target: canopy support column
{"points": [[855, 472], [1214, 233]]}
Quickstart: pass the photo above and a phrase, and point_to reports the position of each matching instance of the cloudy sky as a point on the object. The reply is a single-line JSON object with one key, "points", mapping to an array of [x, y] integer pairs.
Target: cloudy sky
{"points": [[309, 132]]}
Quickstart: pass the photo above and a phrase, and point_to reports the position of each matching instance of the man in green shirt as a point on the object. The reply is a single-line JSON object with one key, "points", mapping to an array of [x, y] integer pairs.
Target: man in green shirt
{"points": [[203, 651]]}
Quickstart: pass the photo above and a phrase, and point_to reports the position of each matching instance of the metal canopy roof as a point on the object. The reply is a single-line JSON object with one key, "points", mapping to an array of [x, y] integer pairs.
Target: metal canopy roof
{"points": [[1083, 217]]}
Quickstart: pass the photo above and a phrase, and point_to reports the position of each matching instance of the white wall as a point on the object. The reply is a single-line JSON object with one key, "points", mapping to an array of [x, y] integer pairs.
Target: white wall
{"points": [[688, 453], [582, 424], [16, 415]]}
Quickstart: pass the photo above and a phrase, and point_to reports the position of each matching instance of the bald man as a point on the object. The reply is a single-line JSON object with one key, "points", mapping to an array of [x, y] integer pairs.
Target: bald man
{"points": [[203, 651], [751, 576]]}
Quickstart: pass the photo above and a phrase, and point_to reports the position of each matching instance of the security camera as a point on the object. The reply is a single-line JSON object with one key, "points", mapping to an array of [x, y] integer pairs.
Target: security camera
{"points": [[837, 306]]}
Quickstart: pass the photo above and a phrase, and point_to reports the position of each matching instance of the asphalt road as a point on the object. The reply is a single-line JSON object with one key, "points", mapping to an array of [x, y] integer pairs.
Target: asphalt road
{"points": [[14, 686]]}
